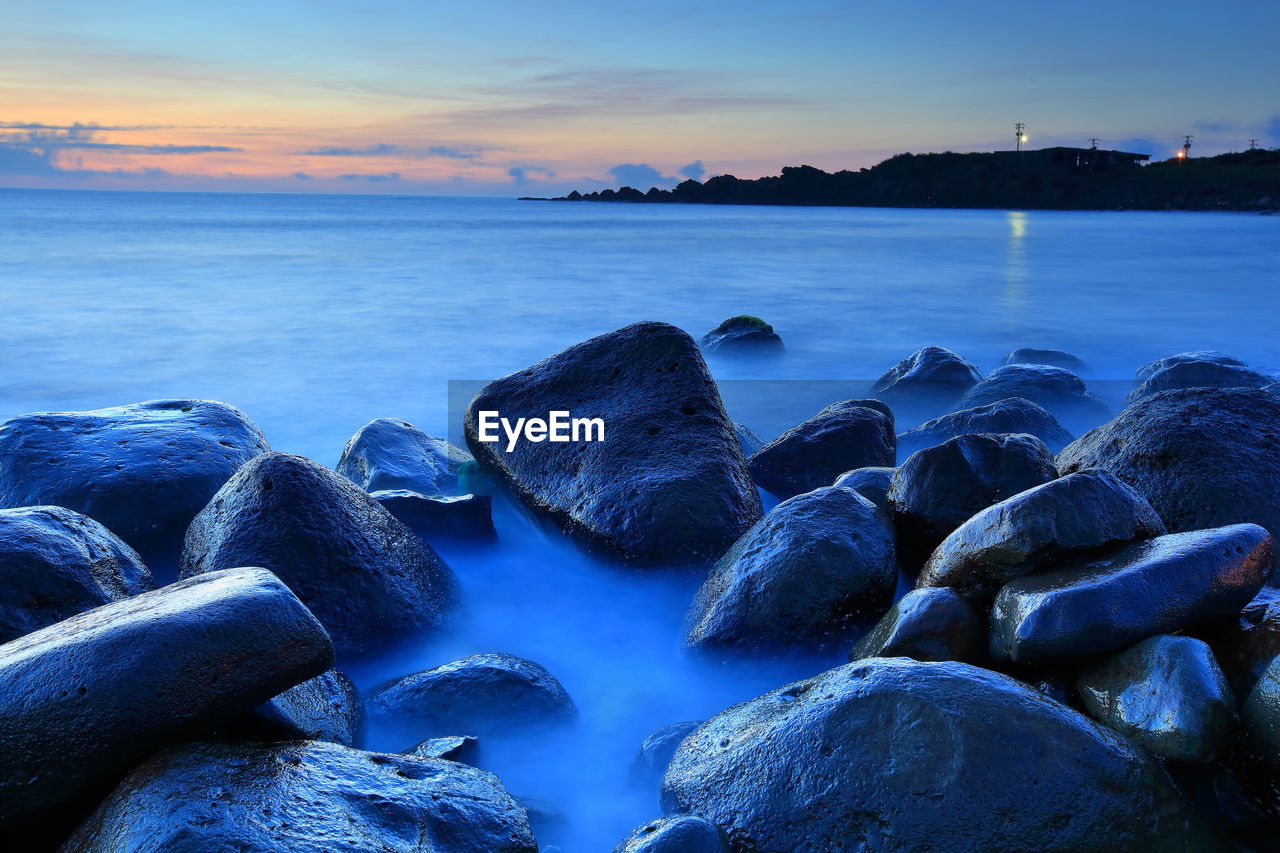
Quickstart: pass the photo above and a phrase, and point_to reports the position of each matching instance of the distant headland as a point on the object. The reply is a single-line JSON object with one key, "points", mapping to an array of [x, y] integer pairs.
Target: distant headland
{"points": [[1049, 178]]}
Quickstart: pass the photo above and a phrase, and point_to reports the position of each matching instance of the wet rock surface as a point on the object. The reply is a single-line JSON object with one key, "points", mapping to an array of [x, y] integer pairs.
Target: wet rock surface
{"points": [[1075, 514], [484, 694], [1058, 391], [892, 754], [742, 334], [843, 436], [1260, 714], [463, 518], [669, 485], [930, 374], [305, 797], [1166, 694], [871, 483], [1001, 417], [1199, 374], [1050, 357], [86, 699], [1106, 603], [1201, 457], [934, 624], [369, 580], [1148, 370], [936, 490], [655, 752], [388, 454], [462, 748], [55, 563], [143, 471], [675, 834], [327, 707], [803, 576]]}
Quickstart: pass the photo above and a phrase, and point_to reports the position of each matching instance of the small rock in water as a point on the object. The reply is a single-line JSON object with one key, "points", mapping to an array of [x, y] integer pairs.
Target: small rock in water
{"points": [[327, 707], [143, 471], [1148, 370], [55, 563], [1001, 417], [1075, 514], [872, 483], [462, 748], [1058, 391], [802, 577], [464, 518], [363, 573], [483, 694], [1106, 603], [1050, 357], [843, 436], [681, 833], [932, 624], [388, 454], [1166, 694], [930, 374], [742, 334], [655, 752], [939, 488], [1198, 374], [305, 797]]}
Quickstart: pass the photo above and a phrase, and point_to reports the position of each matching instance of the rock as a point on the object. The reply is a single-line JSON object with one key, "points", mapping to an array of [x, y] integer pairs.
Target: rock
{"points": [[466, 518], [1165, 694], [388, 454], [742, 334], [1050, 357], [843, 436], [1148, 370], [1198, 374], [463, 748], [327, 707], [939, 488], [1101, 605], [362, 572], [1077, 514], [803, 577], [1201, 457], [1245, 644], [545, 816], [871, 483], [655, 752], [304, 797], [889, 754], [668, 485], [928, 373], [86, 699], [1059, 392], [55, 563], [928, 625], [748, 439], [486, 694], [143, 471], [1001, 417], [675, 834], [1260, 714]]}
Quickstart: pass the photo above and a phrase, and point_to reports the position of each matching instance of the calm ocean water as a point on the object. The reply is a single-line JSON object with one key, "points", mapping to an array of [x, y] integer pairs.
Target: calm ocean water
{"points": [[316, 314]]}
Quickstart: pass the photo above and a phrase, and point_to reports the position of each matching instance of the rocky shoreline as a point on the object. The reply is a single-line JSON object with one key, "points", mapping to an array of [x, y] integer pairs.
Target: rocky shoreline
{"points": [[1055, 642]]}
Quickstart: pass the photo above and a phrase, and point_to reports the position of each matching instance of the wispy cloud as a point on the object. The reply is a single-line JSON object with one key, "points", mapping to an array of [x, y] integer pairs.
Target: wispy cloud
{"points": [[377, 178], [386, 149]]}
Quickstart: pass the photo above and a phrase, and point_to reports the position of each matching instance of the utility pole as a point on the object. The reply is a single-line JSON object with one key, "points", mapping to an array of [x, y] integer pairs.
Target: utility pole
{"points": [[1019, 134], [1093, 144], [1253, 144], [1186, 145]]}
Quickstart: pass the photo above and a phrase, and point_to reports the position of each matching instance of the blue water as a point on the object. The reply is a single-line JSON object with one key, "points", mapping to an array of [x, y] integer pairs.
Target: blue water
{"points": [[316, 314]]}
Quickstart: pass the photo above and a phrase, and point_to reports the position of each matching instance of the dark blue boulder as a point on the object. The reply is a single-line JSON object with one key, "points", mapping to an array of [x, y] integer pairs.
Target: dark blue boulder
{"points": [[843, 436], [655, 752], [1050, 357], [393, 454], [675, 834], [871, 483], [1210, 356], [743, 334], [1199, 374], [1001, 417], [930, 374], [1057, 390], [1245, 643], [463, 748], [931, 624], [327, 707], [462, 518]]}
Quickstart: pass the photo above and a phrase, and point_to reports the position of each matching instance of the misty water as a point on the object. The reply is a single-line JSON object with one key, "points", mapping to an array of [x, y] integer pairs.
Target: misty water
{"points": [[316, 314]]}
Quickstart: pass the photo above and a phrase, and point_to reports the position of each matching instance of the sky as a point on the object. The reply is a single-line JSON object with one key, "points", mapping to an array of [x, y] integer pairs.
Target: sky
{"points": [[489, 97]]}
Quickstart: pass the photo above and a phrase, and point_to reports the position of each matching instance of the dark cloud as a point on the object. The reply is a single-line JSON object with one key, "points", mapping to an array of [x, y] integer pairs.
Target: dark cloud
{"points": [[302, 176], [693, 171], [641, 176], [451, 153], [375, 178], [521, 175]]}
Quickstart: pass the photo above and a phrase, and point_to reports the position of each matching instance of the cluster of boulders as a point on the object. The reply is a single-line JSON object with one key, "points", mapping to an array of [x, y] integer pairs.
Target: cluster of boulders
{"points": [[1053, 643]]}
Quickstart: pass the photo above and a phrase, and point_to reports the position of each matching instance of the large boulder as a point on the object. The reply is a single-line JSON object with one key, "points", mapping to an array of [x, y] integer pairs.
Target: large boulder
{"points": [[1199, 374], [655, 752], [1057, 390], [304, 797], [1260, 714], [845, 435], [742, 334], [1202, 457], [1050, 357], [928, 374], [939, 488], [803, 576], [463, 518], [680, 833], [1166, 694], [1079, 513], [86, 699], [485, 694], [1148, 370], [327, 707], [143, 470], [1246, 643], [890, 754], [1106, 603], [872, 483], [393, 454], [667, 485], [931, 624], [364, 574], [1003, 416], [55, 563]]}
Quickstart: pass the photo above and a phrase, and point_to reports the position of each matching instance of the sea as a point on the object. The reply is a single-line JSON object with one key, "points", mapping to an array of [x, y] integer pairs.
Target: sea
{"points": [[315, 314]]}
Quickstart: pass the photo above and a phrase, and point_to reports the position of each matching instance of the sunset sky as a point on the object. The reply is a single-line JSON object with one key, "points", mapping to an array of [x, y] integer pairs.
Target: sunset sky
{"points": [[492, 97]]}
